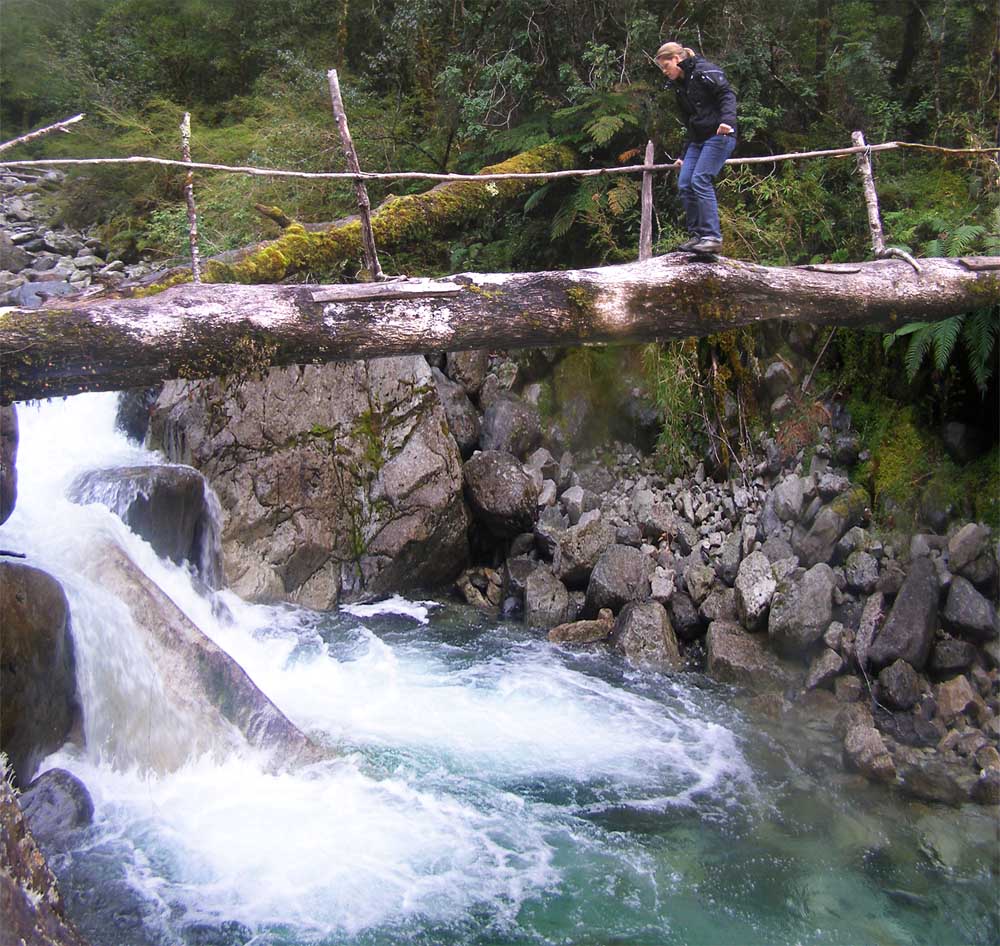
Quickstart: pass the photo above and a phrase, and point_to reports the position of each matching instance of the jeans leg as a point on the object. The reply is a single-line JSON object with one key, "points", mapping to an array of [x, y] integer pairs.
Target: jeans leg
{"points": [[711, 158], [684, 190]]}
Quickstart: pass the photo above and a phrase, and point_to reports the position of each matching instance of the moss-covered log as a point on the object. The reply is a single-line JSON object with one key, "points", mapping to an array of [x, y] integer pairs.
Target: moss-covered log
{"points": [[207, 331], [398, 222]]}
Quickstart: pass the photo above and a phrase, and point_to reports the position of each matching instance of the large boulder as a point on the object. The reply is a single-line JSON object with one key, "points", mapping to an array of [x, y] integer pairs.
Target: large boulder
{"points": [[622, 574], [510, 425], [643, 633], [801, 611], [967, 613], [39, 707], [31, 907], [55, 803], [463, 421], [908, 631], [332, 479], [584, 632], [502, 494], [831, 522], [578, 550], [165, 505], [8, 461], [788, 498], [755, 587], [736, 656], [546, 600]]}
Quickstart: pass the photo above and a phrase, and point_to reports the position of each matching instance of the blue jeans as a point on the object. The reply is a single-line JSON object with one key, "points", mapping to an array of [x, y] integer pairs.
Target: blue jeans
{"points": [[702, 162]]}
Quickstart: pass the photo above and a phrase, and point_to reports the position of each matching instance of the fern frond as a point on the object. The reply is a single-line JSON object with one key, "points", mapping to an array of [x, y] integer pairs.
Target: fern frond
{"points": [[537, 196], [603, 128], [564, 219], [934, 247], [908, 329], [944, 334], [981, 330], [963, 238], [914, 357], [622, 196]]}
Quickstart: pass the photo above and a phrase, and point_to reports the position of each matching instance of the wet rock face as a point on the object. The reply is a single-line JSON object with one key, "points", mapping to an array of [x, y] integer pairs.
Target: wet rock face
{"points": [[332, 479], [801, 611], [908, 632], [643, 633], [463, 421], [511, 425], [38, 697], [165, 505], [622, 574], [55, 803], [8, 461], [31, 906]]}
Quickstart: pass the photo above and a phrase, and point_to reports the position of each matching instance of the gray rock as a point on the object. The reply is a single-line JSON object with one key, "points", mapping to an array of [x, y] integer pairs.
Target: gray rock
{"points": [[550, 525], [788, 498], [546, 600], [891, 578], [584, 632], [38, 696], [963, 442], [516, 572], [866, 752], [591, 515], [510, 425], [728, 564], [658, 520], [12, 258], [55, 803], [923, 776], [872, 618], [643, 633], [699, 579], [778, 378], [950, 656], [824, 669], [577, 550], [832, 485], [165, 505], [968, 613], [735, 656], [831, 522], [544, 462], [899, 686], [576, 501], [801, 611], [970, 555], [501, 494], [622, 574], [463, 421], [684, 617], [848, 689], [781, 407], [754, 587], [908, 632], [8, 460], [846, 448], [861, 572], [468, 368], [685, 536], [720, 605], [778, 549], [954, 697]]}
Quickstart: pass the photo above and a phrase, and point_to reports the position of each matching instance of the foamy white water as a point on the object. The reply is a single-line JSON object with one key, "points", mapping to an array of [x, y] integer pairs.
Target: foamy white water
{"points": [[486, 788]]}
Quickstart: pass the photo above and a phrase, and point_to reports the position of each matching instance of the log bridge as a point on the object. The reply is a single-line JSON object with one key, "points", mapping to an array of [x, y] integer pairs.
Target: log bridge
{"points": [[101, 342]]}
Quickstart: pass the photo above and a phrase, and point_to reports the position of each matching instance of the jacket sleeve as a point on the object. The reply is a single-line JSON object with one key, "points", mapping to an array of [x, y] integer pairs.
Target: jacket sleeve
{"points": [[725, 97]]}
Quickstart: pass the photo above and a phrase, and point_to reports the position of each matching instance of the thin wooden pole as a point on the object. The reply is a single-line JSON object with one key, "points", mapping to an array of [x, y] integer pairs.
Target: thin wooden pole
{"points": [[360, 191], [189, 198], [58, 126], [646, 222], [879, 249]]}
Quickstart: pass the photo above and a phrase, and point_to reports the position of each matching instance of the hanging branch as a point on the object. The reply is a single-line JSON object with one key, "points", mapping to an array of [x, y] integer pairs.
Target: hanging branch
{"points": [[58, 126], [360, 191], [879, 248], [189, 197], [646, 223]]}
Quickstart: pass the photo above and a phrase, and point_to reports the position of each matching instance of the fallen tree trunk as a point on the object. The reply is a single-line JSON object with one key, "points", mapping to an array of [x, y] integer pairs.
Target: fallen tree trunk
{"points": [[225, 330]]}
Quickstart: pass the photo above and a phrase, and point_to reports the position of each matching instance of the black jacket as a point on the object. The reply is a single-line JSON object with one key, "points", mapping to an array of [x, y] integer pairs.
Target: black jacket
{"points": [[705, 98]]}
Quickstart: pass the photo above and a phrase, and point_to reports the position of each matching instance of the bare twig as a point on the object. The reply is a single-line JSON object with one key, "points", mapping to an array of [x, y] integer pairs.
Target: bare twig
{"points": [[58, 126], [646, 222], [819, 358], [192, 210]]}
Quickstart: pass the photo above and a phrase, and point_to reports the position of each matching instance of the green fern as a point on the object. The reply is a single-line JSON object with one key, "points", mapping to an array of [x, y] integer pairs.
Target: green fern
{"points": [[944, 334], [623, 196], [980, 340], [962, 239]]}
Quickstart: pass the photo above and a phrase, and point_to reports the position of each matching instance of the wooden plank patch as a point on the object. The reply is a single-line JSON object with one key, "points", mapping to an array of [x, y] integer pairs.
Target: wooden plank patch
{"points": [[375, 291]]}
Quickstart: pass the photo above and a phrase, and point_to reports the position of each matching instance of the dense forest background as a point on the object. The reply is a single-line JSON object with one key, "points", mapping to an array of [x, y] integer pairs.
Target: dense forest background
{"points": [[434, 85]]}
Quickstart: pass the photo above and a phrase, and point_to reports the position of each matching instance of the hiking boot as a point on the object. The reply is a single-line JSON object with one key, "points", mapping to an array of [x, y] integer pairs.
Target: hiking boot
{"points": [[707, 245], [689, 245]]}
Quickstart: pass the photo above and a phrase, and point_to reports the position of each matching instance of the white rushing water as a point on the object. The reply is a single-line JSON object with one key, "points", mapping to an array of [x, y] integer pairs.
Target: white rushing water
{"points": [[438, 806]]}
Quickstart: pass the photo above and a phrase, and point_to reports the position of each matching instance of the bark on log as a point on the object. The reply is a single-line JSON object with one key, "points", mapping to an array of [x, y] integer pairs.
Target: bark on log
{"points": [[214, 330]]}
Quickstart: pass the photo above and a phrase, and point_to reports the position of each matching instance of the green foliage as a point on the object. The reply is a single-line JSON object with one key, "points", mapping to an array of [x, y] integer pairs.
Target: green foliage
{"points": [[671, 369]]}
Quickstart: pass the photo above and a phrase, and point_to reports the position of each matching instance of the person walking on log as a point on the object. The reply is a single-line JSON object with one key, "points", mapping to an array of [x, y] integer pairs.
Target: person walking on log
{"points": [[708, 105]]}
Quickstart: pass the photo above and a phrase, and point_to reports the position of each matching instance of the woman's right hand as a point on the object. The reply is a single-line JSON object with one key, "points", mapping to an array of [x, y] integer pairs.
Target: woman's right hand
{"points": [[677, 162]]}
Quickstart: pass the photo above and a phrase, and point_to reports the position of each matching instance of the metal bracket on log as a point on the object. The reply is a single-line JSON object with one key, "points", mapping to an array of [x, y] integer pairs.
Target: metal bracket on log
{"points": [[360, 292]]}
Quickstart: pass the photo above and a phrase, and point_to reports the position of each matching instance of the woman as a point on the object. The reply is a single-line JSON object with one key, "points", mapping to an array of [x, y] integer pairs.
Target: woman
{"points": [[708, 104]]}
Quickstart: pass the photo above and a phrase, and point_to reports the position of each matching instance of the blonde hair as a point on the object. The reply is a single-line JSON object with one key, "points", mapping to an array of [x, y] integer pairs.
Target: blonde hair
{"points": [[673, 51]]}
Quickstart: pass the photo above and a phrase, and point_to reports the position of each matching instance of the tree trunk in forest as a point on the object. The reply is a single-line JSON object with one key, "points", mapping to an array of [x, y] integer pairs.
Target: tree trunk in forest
{"points": [[824, 24], [215, 330]]}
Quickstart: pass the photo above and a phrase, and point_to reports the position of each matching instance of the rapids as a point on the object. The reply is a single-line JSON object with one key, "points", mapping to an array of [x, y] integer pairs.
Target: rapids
{"points": [[483, 787]]}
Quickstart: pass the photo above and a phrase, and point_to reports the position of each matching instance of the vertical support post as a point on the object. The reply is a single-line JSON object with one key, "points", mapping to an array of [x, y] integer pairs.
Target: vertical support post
{"points": [[871, 197], [360, 191], [189, 198], [646, 222]]}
